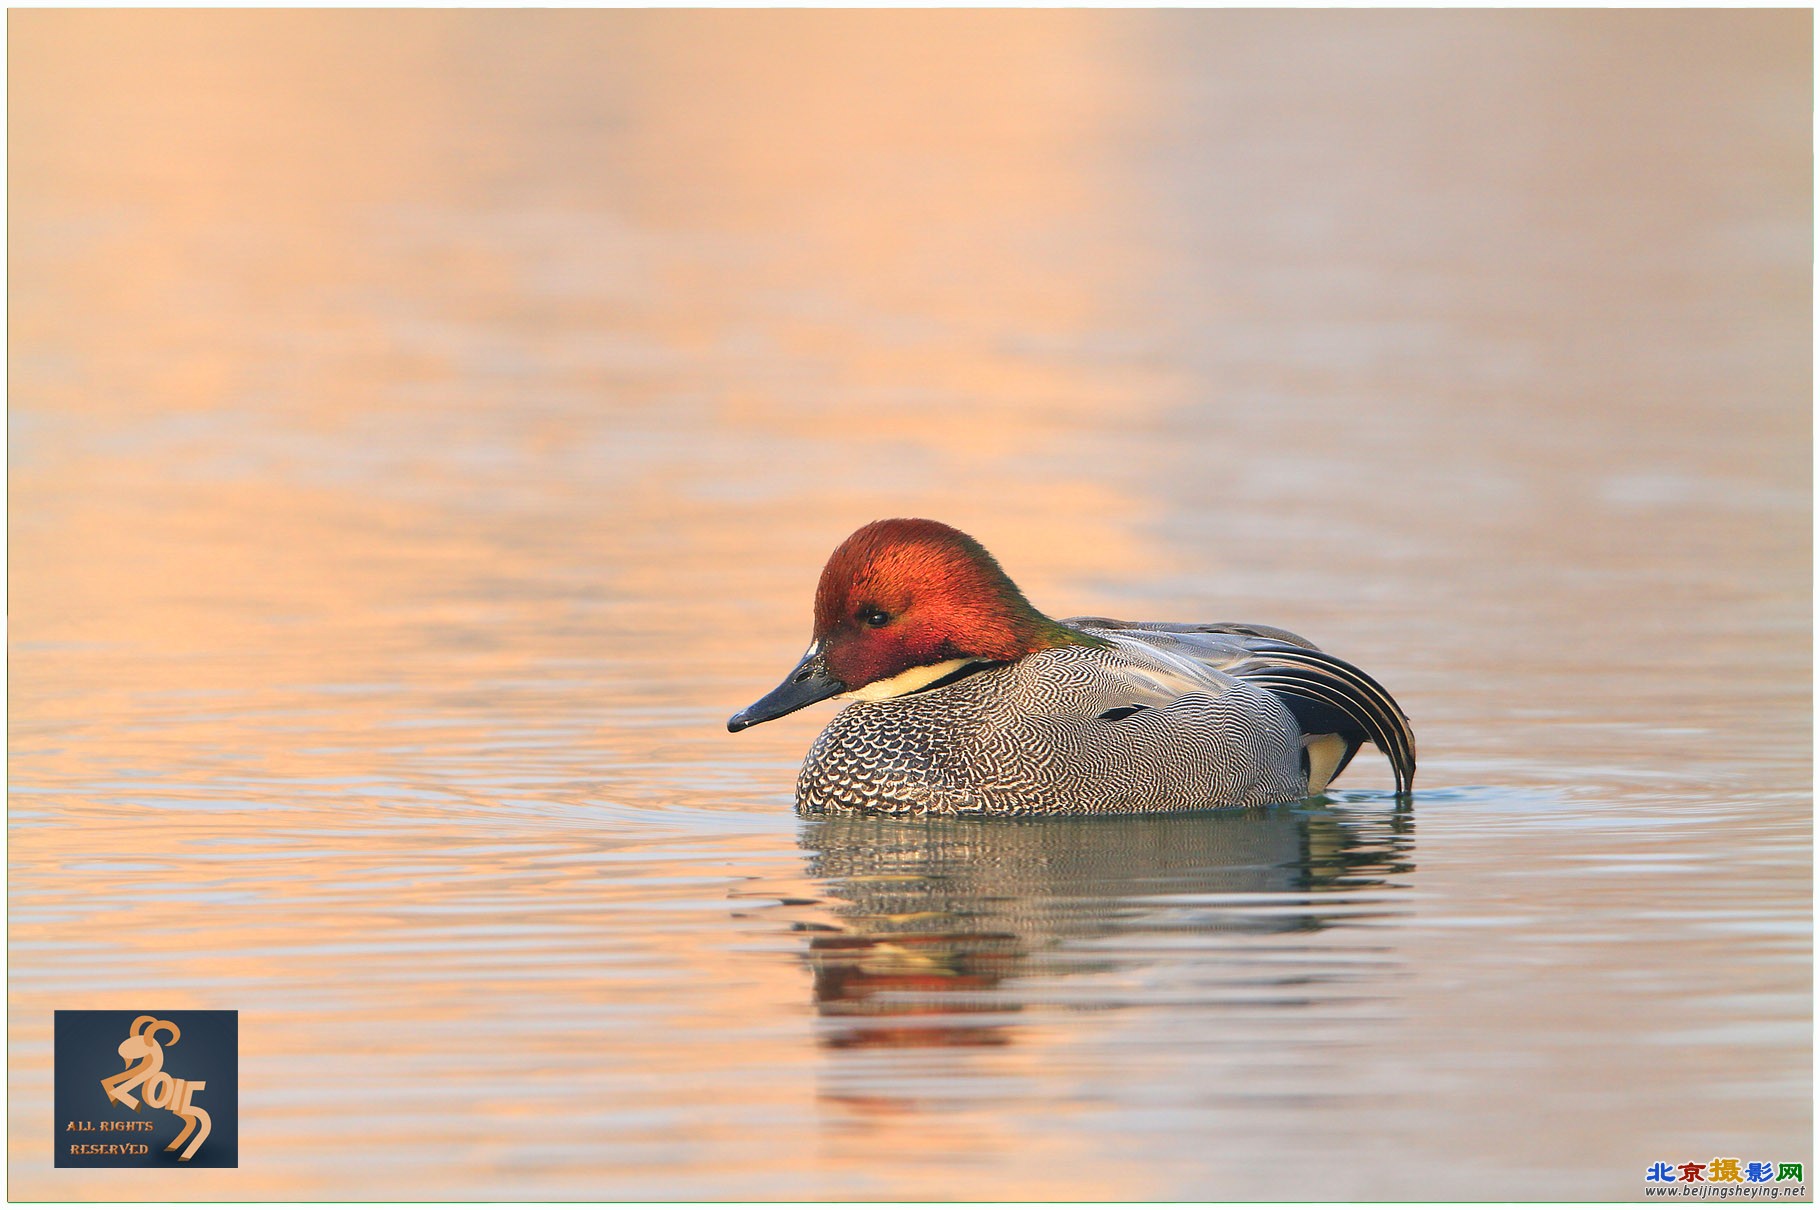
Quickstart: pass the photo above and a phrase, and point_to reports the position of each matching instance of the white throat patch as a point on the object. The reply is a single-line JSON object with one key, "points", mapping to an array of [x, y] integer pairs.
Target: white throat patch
{"points": [[908, 681]]}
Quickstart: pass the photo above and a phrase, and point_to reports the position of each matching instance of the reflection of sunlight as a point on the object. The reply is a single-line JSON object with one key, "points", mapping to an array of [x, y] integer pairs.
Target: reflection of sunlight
{"points": [[342, 372], [926, 280]]}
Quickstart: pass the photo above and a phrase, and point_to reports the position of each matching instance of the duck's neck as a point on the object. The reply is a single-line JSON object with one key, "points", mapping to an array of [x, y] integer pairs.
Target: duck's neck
{"points": [[1037, 631]]}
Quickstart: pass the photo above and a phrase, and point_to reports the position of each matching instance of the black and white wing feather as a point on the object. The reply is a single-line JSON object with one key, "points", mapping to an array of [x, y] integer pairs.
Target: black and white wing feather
{"points": [[1327, 695]]}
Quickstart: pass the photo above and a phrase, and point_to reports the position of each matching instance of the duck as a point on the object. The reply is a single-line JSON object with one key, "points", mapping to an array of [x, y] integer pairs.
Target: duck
{"points": [[964, 699]]}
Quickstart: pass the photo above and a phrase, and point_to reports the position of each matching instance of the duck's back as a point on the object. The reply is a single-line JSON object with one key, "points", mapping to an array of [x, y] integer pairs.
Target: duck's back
{"points": [[1148, 722]]}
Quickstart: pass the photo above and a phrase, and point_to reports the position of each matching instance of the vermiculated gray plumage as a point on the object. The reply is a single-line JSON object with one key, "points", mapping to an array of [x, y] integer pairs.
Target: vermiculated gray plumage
{"points": [[1165, 717]]}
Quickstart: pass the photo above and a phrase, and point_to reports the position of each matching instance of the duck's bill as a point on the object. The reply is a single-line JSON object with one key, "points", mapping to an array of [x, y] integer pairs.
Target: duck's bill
{"points": [[807, 684]]}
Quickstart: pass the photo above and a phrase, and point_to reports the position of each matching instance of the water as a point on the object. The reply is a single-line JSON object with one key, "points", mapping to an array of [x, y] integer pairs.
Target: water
{"points": [[427, 428]]}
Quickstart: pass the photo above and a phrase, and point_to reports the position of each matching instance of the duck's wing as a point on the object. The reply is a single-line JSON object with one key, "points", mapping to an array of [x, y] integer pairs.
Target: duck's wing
{"points": [[1242, 629], [1327, 695]]}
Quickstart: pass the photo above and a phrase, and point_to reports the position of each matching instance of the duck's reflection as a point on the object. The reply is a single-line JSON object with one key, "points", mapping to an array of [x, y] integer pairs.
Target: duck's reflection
{"points": [[922, 929]]}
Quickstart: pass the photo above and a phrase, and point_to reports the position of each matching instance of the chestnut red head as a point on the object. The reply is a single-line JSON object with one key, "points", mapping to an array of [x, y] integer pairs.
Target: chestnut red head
{"points": [[901, 604]]}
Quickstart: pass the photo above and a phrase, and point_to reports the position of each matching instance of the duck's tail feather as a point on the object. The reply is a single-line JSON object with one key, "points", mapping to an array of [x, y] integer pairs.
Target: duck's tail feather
{"points": [[1328, 696]]}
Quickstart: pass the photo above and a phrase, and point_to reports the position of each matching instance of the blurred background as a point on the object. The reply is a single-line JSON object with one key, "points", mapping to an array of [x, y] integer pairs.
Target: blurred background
{"points": [[426, 427]]}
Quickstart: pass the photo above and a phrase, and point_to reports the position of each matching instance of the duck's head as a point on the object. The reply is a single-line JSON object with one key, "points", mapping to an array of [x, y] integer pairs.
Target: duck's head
{"points": [[903, 604]]}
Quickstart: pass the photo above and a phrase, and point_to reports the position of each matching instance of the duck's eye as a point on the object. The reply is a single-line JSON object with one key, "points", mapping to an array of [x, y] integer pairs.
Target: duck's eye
{"points": [[874, 617]]}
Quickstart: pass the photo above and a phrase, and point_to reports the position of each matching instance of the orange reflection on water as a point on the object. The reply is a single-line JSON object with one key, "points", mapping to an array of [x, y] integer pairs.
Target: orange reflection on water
{"points": [[378, 385]]}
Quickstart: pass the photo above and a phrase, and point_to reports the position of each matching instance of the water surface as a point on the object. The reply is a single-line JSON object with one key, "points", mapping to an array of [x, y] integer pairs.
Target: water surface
{"points": [[426, 429]]}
